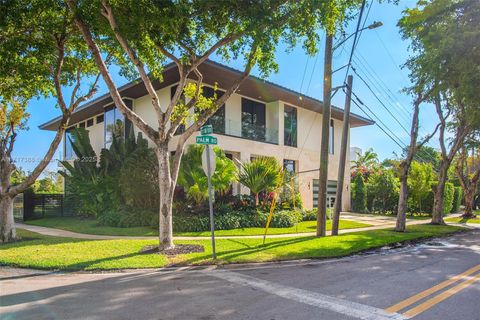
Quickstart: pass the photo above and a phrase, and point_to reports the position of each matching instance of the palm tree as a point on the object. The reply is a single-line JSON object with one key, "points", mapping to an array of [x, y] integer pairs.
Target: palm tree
{"points": [[369, 160], [261, 174], [193, 179]]}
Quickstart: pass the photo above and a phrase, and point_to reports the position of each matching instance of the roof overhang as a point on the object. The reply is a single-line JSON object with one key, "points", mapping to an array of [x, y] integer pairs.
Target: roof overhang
{"points": [[212, 72]]}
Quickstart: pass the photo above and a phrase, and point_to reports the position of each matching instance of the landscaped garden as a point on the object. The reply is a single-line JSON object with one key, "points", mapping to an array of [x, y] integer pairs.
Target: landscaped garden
{"points": [[45, 252], [90, 226], [108, 201]]}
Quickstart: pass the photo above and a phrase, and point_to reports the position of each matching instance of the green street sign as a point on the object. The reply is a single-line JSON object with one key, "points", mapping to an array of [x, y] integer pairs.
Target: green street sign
{"points": [[208, 129], [206, 140]]}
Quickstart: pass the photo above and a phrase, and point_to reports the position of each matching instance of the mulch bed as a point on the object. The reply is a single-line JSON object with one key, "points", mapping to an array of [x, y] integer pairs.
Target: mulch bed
{"points": [[179, 249]]}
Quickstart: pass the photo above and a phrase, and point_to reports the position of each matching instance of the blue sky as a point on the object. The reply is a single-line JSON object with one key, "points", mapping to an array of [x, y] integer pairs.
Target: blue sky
{"points": [[377, 59]]}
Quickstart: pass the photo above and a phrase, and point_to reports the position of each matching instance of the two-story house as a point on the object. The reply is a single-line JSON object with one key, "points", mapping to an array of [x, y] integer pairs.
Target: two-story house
{"points": [[260, 119]]}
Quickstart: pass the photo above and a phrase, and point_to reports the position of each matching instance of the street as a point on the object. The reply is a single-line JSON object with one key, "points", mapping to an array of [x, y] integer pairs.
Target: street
{"points": [[434, 280]]}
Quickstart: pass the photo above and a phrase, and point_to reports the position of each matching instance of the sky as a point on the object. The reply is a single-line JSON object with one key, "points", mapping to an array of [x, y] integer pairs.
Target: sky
{"points": [[378, 58]]}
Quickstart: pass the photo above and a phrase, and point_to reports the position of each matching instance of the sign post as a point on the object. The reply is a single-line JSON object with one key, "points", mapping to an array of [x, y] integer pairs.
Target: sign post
{"points": [[208, 164]]}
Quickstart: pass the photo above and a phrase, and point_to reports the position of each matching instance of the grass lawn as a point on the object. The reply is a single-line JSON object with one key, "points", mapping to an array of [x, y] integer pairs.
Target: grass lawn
{"points": [[302, 227], [45, 252], [90, 226], [462, 220]]}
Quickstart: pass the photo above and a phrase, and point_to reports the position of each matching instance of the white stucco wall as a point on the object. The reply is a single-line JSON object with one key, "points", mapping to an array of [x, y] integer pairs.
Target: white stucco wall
{"points": [[306, 155]]}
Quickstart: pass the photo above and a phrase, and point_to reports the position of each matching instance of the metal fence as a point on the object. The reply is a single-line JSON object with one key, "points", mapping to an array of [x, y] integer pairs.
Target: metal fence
{"points": [[28, 206]]}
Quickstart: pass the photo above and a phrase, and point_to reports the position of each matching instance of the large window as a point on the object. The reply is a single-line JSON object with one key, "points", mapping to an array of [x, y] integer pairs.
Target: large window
{"points": [[69, 154], [289, 166], [331, 143], [290, 126], [217, 120], [181, 128], [115, 124], [253, 120]]}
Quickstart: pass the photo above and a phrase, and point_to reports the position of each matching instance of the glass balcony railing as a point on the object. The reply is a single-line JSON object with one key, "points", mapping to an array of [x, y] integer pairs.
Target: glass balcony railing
{"points": [[249, 131]]}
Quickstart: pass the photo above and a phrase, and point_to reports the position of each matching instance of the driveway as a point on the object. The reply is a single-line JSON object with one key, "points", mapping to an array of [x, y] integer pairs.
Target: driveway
{"points": [[437, 280]]}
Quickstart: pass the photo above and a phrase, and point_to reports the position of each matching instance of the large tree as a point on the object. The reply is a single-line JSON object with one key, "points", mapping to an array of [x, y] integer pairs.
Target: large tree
{"points": [[406, 163], [41, 55], [467, 170], [445, 39], [147, 34]]}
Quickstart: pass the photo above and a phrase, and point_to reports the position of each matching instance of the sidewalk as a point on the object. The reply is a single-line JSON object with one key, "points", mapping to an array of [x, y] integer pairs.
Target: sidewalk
{"points": [[377, 222]]}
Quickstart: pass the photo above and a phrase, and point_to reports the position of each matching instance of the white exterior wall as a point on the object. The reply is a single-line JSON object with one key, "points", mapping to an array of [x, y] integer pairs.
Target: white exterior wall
{"points": [[306, 155]]}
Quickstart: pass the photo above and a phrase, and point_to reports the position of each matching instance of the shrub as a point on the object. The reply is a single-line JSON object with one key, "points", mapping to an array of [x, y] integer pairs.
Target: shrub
{"points": [[383, 186], [193, 179], [234, 220], [260, 175], [359, 194], [125, 217], [457, 199], [448, 197]]}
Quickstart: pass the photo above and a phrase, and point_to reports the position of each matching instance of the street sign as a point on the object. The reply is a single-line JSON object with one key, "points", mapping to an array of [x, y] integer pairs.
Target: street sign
{"points": [[206, 162], [208, 129], [206, 140]]}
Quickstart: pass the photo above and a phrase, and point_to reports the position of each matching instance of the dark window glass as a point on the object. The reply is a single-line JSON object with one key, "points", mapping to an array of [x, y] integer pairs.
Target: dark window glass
{"points": [[217, 120], [253, 120], [100, 118], [290, 126], [331, 144], [289, 166], [69, 154], [89, 123], [181, 128], [115, 124], [81, 125]]}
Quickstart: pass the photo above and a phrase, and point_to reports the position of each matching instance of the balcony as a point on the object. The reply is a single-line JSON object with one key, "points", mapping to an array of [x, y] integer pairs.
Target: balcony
{"points": [[246, 131]]}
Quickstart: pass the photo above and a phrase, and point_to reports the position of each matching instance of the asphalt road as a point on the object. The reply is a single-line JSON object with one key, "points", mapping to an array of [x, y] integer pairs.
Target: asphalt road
{"points": [[436, 281]]}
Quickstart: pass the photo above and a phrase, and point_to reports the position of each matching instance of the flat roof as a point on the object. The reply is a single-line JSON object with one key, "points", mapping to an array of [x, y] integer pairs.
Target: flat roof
{"points": [[213, 72]]}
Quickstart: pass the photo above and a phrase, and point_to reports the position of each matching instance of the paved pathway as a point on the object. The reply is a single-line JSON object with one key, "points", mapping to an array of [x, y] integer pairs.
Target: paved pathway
{"points": [[377, 222]]}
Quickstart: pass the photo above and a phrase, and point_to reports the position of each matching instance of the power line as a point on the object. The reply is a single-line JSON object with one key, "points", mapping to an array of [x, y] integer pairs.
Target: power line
{"points": [[379, 100], [365, 21], [390, 134], [381, 84], [355, 37], [391, 57], [381, 128]]}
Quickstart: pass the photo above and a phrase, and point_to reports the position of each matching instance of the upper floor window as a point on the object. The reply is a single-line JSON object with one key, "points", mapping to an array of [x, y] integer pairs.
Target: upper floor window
{"points": [[69, 154], [217, 120], [290, 126], [253, 120], [115, 124], [173, 89], [331, 143]]}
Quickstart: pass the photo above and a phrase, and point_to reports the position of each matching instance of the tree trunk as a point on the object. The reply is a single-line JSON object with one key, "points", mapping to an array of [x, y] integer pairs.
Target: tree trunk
{"points": [[469, 199], [7, 224], [437, 214], [402, 201], [166, 198]]}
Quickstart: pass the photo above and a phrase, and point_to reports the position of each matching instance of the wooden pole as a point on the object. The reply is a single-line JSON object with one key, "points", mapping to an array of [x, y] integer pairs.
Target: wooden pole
{"points": [[343, 158], [326, 113]]}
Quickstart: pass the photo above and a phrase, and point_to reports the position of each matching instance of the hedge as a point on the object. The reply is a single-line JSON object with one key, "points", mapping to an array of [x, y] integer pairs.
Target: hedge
{"points": [[457, 199]]}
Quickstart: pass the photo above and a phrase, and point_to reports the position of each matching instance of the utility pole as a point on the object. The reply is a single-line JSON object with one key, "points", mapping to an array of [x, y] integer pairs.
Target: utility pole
{"points": [[343, 157], [324, 152]]}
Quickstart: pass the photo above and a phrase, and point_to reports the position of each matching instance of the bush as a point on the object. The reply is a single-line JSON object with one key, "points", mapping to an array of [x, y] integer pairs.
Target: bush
{"points": [[235, 220], [384, 187], [457, 199], [359, 194], [448, 197]]}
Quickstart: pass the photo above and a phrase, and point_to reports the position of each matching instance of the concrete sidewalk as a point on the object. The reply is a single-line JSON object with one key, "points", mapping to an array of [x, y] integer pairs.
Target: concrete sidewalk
{"points": [[377, 222]]}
